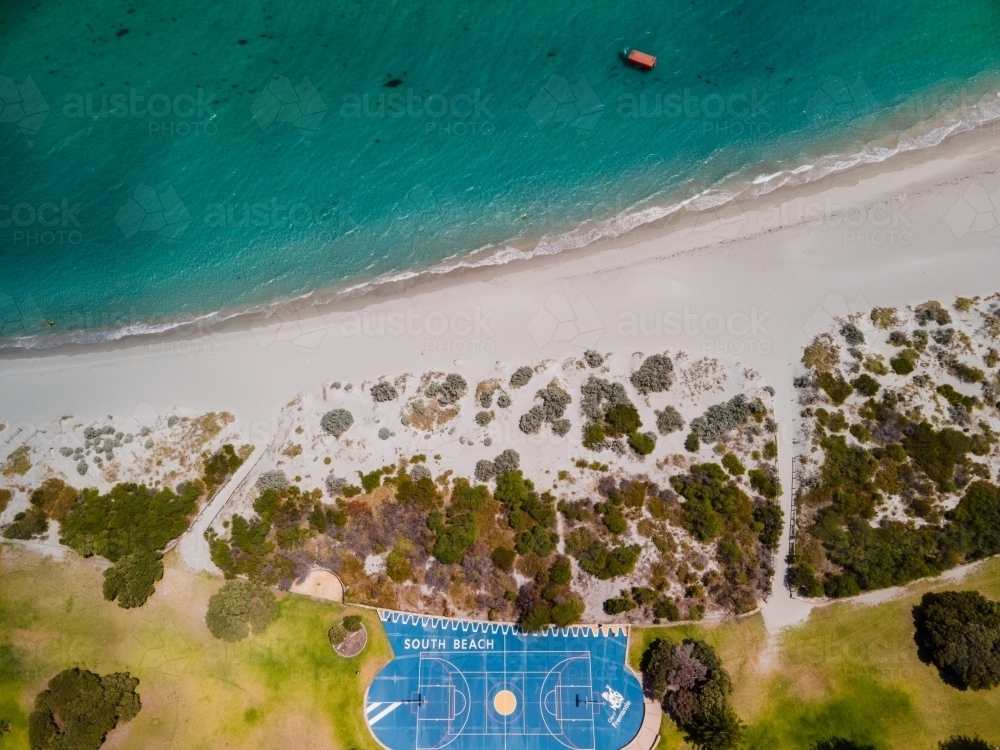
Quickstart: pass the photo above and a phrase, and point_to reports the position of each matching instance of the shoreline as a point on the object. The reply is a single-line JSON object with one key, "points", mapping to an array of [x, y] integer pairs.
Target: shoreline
{"points": [[752, 297], [639, 224]]}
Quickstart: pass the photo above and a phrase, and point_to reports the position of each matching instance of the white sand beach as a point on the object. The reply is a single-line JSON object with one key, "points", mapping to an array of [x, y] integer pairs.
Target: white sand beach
{"points": [[748, 285]]}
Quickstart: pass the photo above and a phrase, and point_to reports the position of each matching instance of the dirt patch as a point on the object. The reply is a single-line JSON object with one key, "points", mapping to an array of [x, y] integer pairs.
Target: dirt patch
{"points": [[321, 584], [353, 644]]}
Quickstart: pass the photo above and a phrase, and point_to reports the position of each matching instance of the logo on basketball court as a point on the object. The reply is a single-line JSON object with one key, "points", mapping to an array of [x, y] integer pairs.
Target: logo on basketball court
{"points": [[613, 697]]}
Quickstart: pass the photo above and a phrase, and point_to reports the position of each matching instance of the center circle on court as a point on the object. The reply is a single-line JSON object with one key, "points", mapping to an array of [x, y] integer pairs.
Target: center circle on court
{"points": [[505, 702]]}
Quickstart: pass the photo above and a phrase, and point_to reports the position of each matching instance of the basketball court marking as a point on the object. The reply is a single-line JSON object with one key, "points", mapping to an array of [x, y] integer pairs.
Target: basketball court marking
{"points": [[481, 686], [475, 700]]}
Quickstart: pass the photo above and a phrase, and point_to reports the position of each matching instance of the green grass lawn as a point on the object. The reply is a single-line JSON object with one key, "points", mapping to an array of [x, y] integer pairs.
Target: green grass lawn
{"points": [[849, 671], [284, 688]]}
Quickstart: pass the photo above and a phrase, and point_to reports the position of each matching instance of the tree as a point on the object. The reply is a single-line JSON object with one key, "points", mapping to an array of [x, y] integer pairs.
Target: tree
{"points": [[131, 580], [690, 679], [567, 613], [79, 708], [337, 633], [963, 742], [656, 664], [238, 608], [352, 623], [537, 619], [959, 633], [841, 743]]}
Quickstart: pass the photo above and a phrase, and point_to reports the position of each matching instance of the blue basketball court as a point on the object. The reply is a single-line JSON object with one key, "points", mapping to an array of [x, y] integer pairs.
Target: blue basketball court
{"points": [[483, 686]]}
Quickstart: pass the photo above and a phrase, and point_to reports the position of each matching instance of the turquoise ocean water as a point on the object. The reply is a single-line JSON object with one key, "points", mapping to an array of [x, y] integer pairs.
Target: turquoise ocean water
{"points": [[163, 163]]}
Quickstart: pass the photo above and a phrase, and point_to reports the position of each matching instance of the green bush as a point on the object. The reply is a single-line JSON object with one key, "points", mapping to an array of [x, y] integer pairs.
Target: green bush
{"points": [[666, 609], [503, 557], [862, 433], [352, 623], [732, 464], [968, 374], [692, 443], [593, 436], [804, 580], [841, 585], [964, 742], [937, 451], [618, 605], [840, 743], [79, 708], [536, 619], [538, 541], [337, 633], [561, 572], [866, 385], [397, 567], [901, 365], [642, 443], [423, 492], [219, 467], [452, 541], [595, 558], [701, 519], [622, 419], [959, 633], [615, 521], [954, 398], [835, 387], [27, 523], [238, 608], [643, 595], [657, 663], [371, 480], [128, 519], [768, 518], [131, 581], [567, 613], [766, 484]]}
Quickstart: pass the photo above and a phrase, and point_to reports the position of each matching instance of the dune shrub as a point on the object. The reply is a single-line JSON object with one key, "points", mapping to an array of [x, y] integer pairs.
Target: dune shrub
{"points": [[383, 391], [654, 375], [337, 422], [669, 420]]}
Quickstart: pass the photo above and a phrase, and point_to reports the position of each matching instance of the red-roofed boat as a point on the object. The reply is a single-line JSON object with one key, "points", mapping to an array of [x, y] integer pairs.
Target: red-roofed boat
{"points": [[639, 59]]}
